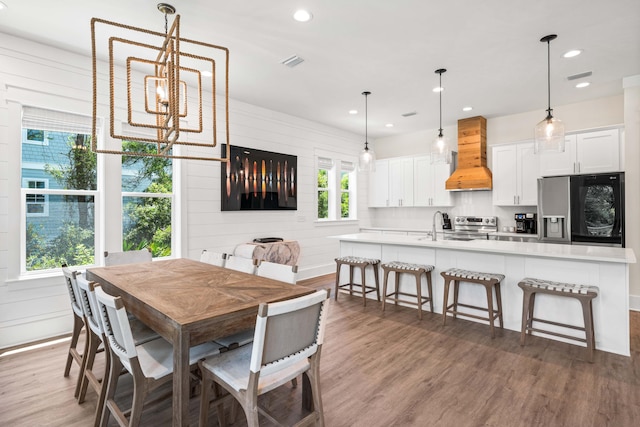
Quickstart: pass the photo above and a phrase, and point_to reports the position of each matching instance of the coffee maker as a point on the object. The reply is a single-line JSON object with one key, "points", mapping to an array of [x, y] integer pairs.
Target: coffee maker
{"points": [[526, 223]]}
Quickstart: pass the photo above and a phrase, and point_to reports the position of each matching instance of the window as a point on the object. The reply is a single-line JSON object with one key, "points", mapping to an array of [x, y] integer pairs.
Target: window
{"points": [[336, 180], [147, 199], [58, 190], [36, 203]]}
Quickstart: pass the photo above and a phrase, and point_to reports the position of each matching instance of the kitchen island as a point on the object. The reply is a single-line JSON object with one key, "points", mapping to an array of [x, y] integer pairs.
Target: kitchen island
{"points": [[605, 267]]}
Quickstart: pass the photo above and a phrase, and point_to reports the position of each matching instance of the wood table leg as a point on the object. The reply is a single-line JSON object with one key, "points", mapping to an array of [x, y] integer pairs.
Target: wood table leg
{"points": [[181, 379]]}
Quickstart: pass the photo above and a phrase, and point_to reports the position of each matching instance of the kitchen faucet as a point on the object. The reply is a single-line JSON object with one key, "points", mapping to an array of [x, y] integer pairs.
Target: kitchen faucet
{"points": [[433, 230]]}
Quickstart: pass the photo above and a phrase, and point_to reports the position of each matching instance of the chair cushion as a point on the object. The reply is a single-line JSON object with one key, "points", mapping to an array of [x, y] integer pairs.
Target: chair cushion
{"points": [[156, 356], [398, 265], [475, 275], [357, 260], [232, 368], [559, 286]]}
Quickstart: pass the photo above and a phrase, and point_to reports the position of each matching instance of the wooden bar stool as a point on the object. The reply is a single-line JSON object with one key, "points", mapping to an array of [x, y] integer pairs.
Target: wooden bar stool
{"points": [[361, 263], [583, 293], [490, 281], [407, 268]]}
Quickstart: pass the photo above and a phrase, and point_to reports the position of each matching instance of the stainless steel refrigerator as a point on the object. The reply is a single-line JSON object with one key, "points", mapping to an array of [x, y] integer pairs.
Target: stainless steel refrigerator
{"points": [[582, 209]]}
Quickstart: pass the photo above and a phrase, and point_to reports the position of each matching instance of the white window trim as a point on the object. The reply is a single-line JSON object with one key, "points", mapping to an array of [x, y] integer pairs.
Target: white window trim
{"points": [[335, 191]]}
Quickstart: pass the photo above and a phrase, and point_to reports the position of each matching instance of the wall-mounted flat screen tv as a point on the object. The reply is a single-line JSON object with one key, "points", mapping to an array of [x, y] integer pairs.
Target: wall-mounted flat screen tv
{"points": [[259, 180]]}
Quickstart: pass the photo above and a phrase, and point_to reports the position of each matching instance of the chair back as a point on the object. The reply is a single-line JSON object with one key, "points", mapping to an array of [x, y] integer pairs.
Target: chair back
{"points": [[89, 304], [127, 257], [238, 263], [214, 258], [288, 331], [282, 272], [116, 325], [72, 288]]}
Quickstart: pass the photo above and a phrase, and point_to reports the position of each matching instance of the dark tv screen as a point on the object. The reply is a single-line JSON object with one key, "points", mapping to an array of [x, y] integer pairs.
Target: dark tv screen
{"points": [[259, 180]]}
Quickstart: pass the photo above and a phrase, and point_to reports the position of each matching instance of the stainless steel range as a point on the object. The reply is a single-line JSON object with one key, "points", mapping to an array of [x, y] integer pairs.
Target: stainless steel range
{"points": [[472, 228]]}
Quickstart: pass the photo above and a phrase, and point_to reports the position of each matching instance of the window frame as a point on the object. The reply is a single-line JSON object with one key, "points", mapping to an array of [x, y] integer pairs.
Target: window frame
{"points": [[340, 163]]}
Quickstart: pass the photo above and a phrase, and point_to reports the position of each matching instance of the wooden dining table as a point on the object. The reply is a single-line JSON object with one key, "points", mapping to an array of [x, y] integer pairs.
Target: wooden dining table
{"points": [[189, 302]]}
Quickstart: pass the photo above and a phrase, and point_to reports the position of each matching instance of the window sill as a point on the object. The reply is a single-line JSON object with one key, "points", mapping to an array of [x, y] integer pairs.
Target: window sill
{"points": [[333, 222]]}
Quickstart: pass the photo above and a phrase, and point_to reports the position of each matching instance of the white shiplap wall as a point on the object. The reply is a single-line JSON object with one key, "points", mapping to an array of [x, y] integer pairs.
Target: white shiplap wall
{"points": [[35, 74]]}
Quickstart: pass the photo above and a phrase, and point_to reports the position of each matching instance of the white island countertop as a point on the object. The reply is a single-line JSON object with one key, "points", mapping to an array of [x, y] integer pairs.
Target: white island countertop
{"points": [[534, 249]]}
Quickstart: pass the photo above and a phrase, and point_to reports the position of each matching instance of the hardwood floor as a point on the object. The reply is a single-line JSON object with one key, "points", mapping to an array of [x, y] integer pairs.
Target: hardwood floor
{"points": [[388, 369]]}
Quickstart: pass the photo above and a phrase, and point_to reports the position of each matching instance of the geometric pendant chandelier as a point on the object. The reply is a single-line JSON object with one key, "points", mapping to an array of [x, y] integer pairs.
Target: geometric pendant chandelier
{"points": [[160, 89]]}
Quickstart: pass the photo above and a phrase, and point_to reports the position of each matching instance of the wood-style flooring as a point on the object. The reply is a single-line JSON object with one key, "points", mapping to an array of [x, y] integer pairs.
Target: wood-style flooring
{"points": [[388, 369]]}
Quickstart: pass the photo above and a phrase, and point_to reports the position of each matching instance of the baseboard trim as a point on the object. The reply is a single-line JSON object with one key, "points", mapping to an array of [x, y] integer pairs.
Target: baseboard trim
{"points": [[634, 302]]}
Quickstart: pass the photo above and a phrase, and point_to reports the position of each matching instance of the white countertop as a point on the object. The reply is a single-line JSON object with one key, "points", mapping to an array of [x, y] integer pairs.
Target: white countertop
{"points": [[545, 250]]}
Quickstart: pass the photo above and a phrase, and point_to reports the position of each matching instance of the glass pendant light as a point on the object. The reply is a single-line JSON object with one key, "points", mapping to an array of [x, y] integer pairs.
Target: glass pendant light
{"points": [[549, 133], [367, 160], [440, 150]]}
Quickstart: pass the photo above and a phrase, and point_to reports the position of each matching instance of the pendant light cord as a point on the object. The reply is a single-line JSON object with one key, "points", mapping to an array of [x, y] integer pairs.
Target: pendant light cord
{"points": [[366, 119], [441, 89], [549, 76]]}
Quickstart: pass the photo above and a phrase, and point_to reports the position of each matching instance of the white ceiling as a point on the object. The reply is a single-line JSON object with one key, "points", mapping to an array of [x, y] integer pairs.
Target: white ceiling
{"points": [[490, 48]]}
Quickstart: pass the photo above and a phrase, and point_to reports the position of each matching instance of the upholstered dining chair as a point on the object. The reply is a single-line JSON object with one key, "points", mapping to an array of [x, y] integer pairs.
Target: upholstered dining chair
{"points": [[150, 364], [238, 263], [73, 354], [214, 258], [141, 334], [127, 257], [282, 272], [288, 342]]}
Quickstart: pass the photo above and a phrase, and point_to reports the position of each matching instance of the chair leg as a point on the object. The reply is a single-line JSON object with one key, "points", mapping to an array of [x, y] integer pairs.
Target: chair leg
{"points": [[526, 298], [445, 301], [489, 290], [115, 367], [456, 292], [335, 295], [314, 377], [384, 288], [397, 287], [351, 270], [78, 324], [499, 304], [363, 272], [532, 303], [140, 390], [87, 361], [429, 288], [419, 294], [375, 276], [103, 387], [85, 351], [204, 398], [588, 327]]}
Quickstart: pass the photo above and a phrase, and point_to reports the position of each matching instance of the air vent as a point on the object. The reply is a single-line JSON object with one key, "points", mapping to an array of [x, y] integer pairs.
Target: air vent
{"points": [[580, 75], [412, 113], [292, 61]]}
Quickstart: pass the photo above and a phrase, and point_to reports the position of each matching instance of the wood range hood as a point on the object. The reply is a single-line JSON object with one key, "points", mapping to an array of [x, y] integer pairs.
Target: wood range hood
{"points": [[472, 172]]}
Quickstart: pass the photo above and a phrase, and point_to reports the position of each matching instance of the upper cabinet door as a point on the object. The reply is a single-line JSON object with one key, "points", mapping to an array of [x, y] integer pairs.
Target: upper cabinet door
{"points": [[422, 181], [401, 182], [504, 169], [528, 174], [598, 151], [555, 164], [441, 196], [379, 185]]}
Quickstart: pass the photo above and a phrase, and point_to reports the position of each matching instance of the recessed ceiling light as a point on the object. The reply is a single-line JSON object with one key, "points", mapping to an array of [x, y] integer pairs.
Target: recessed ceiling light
{"points": [[302, 15], [353, 111], [438, 89], [206, 73], [467, 108], [389, 125], [582, 84], [572, 53]]}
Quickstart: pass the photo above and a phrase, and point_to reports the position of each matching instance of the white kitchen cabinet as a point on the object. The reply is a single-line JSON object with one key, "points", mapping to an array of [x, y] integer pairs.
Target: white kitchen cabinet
{"points": [[401, 181], [586, 152], [379, 185], [515, 175], [429, 183]]}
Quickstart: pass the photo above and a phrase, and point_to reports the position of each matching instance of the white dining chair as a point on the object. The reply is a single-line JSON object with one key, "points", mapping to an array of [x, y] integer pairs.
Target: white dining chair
{"points": [[141, 334], [288, 341], [245, 265], [150, 364], [214, 258], [127, 257], [282, 272], [73, 355]]}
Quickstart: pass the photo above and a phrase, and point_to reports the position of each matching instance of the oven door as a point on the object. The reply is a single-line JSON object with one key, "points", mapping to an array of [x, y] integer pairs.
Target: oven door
{"points": [[465, 235], [597, 209]]}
